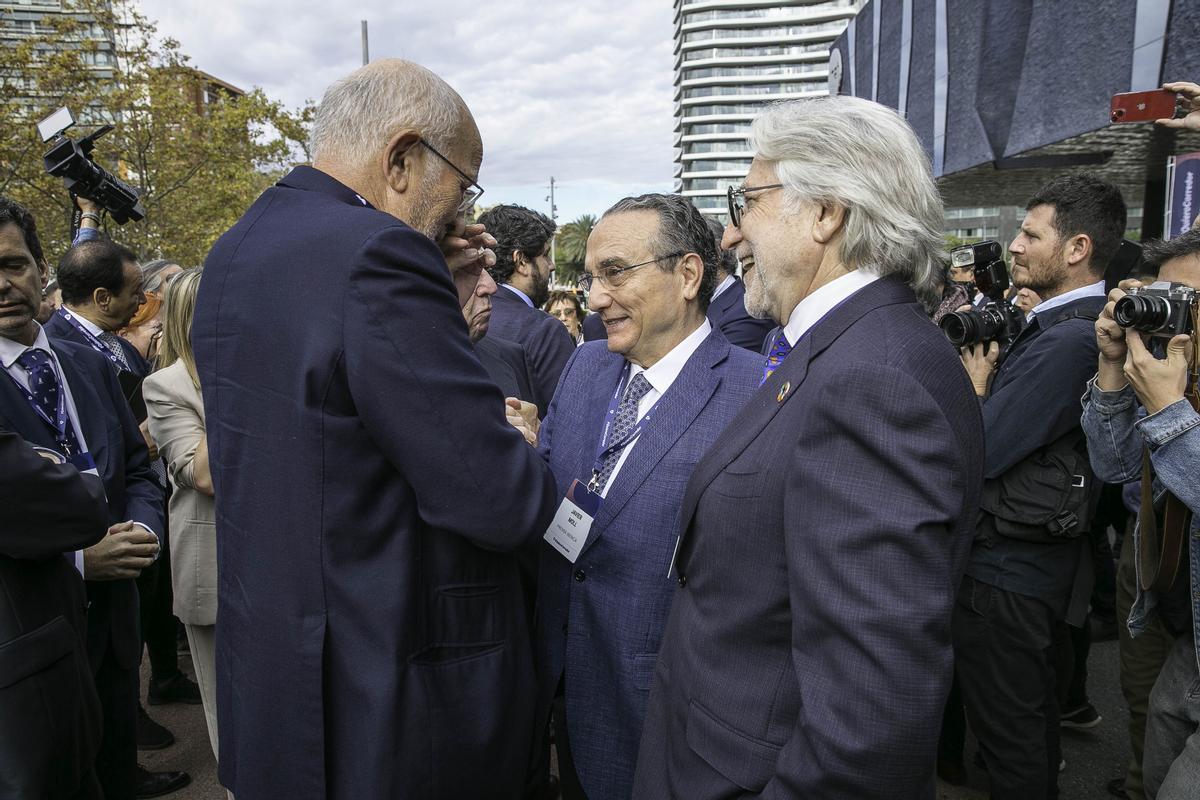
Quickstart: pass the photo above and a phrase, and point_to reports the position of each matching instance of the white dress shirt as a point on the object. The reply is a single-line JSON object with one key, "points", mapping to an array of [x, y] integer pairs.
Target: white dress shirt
{"points": [[1091, 290], [813, 308], [91, 327], [722, 286], [660, 377], [10, 351]]}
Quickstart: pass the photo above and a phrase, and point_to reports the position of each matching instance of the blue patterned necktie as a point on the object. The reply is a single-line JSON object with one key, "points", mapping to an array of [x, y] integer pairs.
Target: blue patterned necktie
{"points": [[44, 388], [778, 353], [623, 423]]}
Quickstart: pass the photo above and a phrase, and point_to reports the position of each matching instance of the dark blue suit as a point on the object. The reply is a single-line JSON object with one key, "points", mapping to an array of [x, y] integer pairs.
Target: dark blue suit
{"points": [[372, 639], [727, 312], [115, 443], [593, 328], [545, 340], [602, 618], [807, 653], [58, 327]]}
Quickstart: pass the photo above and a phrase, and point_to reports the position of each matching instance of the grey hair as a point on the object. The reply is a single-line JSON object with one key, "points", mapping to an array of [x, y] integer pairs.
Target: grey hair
{"points": [[152, 273], [864, 157], [681, 229], [362, 111]]}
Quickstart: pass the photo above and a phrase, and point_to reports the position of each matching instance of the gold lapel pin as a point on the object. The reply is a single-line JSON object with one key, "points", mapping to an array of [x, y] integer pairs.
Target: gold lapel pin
{"points": [[783, 391]]}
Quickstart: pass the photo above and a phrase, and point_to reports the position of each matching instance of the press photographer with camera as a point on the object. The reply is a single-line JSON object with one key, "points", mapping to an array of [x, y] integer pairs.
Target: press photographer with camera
{"points": [[1022, 572], [1140, 418]]}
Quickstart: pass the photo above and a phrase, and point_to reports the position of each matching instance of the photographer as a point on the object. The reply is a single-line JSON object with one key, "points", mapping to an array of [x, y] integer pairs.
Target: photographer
{"points": [[1022, 573], [1136, 405]]}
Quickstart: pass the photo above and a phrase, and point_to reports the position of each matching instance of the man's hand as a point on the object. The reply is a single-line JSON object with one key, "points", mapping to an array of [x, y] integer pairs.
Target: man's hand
{"points": [[523, 417], [1191, 104], [88, 206], [467, 249], [1158, 382], [123, 553], [1026, 299], [980, 361]]}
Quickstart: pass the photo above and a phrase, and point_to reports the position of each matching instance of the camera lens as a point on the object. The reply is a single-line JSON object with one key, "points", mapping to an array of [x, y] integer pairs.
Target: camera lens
{"points": [[961, 328], [1142, 312]]}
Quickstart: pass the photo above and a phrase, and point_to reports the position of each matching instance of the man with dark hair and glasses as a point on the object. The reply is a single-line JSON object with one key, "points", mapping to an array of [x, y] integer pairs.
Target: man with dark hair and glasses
{"points": [[629, 422], [522, 270], [371, 490]]}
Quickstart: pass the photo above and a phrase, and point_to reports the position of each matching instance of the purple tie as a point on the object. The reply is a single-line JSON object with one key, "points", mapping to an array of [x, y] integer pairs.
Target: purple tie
{"points": [[778, 353]]}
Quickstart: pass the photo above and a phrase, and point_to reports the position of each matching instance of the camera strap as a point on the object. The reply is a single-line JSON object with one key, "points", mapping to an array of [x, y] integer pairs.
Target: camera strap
{"points": [[1162, 550]]}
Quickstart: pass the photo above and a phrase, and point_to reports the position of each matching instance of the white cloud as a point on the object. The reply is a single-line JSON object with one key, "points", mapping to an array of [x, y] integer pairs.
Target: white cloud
{"points": [[578, 90]]}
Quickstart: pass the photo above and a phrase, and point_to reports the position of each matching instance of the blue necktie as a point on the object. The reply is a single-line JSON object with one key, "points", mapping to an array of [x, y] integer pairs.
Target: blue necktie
{"points": [[778, 353], [44, 387], [623, 423]]}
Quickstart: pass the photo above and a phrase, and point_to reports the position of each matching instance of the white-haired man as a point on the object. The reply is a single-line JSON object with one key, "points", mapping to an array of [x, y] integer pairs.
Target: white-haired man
{"points": [[823, 535], [372, 637]]}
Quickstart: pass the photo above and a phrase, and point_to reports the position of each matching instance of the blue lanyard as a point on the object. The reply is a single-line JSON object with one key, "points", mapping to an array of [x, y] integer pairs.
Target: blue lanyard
{"points": [[60, 425], [96, 344], [605, 449]]}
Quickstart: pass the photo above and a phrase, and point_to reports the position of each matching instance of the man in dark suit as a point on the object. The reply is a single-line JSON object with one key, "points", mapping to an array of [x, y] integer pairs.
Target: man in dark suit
{"points": [[593, 327], [807, 653], [504, 361], [727, 311], [522, 271], [369, 491], [102, 290], [49, 712], [66, 397], [651, 264]]}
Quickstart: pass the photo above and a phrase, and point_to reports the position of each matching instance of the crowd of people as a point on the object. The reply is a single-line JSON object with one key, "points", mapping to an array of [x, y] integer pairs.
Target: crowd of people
{"points": [[750, 527]]}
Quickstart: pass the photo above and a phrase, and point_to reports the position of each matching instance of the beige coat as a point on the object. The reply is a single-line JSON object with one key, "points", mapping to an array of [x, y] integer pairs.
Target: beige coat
{"points": [[177, 425]]}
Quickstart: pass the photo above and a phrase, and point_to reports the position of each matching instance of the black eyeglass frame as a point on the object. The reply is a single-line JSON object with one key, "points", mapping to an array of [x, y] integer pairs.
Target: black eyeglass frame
{"points": [[736, 208], [473, 191], [585, 279]]}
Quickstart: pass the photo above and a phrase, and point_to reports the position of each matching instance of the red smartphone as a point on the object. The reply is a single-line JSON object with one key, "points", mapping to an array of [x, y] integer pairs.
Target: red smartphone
{"points": [[1144, 106]]}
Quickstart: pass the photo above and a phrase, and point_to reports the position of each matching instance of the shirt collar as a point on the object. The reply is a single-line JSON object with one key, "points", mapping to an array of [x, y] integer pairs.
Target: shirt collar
{"points": [[89, 326], [10, 351], [811, 309], [725, 284], [667, 369], [518, 293], [1092, 290]]}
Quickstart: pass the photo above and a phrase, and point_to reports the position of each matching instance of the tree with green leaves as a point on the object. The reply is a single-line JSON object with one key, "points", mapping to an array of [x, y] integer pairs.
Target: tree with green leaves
{"points": [[199, 151], [571, 246]]}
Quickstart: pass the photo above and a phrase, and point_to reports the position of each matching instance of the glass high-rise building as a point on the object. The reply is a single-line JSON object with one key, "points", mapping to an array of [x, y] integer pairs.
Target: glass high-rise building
{"points": [[732, 57]]}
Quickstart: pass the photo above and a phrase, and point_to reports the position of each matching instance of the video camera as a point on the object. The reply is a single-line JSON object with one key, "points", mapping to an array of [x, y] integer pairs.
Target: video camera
{"points": [[1161, 309], [72, 161], [997, 321]]}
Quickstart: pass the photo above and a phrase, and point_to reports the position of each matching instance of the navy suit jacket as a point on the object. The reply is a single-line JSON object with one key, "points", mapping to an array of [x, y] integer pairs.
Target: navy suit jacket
{"points": [[57, 327], [49, 711], [117, 446], [824, 536], [593, 328], [545, 340], [369, 495], [601, 619], [505, 362], [727, 312]]}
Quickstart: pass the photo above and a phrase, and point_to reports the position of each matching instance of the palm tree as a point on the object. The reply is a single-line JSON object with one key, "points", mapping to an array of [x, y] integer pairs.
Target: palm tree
{"points": [[570, 246]]}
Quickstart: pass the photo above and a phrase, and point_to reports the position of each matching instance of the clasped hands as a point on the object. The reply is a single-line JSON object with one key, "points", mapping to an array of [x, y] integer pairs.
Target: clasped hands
{"points": [[1125, 359], [124, 552]]}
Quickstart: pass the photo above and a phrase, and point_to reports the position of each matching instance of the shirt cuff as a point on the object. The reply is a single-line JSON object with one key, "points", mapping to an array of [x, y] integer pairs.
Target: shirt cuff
{"points": [[147, 528], [1109, 403], [79, 563], [87, 235], [1165, 424]]}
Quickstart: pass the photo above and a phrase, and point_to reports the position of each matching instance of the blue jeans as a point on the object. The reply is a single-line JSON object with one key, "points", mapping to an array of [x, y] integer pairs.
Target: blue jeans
{"points": [[1171, 764]]}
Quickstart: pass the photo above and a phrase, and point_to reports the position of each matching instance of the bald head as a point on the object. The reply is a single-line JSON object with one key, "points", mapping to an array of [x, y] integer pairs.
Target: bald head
{"points": [[361, 112]]}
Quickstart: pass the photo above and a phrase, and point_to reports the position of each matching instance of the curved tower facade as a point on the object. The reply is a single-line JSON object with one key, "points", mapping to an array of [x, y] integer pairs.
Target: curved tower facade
{"points": [[732, 57]]}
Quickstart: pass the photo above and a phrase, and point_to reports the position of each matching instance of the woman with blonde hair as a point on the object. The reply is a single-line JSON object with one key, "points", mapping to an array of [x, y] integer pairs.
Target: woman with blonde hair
{"points": [[176, 422]]}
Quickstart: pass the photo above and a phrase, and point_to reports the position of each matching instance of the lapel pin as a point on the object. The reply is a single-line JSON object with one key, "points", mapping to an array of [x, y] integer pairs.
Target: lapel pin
{"points": [[783, 391]]}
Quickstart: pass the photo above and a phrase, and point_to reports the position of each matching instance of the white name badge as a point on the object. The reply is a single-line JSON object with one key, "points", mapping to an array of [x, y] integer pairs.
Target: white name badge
{"points": [[568, 532]]}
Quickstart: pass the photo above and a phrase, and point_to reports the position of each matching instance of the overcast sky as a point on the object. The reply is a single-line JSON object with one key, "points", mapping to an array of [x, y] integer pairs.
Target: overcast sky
{"points": [[578, 90]]}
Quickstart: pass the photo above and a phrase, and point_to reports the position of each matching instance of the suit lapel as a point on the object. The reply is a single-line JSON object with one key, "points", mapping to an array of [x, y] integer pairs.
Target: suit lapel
{"points": [[783, 384], [677, 410], [21, 418]]}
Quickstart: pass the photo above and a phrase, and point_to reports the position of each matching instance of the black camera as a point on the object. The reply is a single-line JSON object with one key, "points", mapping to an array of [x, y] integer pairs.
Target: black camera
{"points": [[997, 321], [1160, 309], [72, 161]]}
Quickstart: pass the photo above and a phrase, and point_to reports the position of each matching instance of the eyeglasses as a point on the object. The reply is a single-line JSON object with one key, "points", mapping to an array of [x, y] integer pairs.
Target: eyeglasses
{"points": [[473, 191], [737, 201], [615, 276]]}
